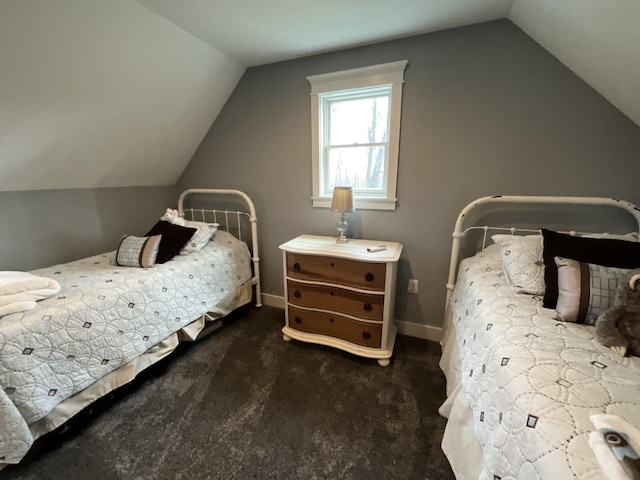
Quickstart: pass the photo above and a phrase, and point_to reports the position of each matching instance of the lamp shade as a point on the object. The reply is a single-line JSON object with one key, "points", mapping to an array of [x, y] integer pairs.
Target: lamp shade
{"points": [[342, 200]]}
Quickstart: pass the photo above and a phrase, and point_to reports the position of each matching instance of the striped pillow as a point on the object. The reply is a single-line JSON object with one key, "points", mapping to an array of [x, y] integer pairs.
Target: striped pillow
{"points": [[585, 290], [138, 251]]}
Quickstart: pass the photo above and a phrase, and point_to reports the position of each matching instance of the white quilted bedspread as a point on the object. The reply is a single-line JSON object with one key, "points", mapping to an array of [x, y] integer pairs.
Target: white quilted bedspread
{"points": [[532, 381], [104, 317]]}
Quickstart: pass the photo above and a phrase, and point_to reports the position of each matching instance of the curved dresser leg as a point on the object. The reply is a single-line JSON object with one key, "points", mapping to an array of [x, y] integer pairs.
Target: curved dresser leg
{"points": [[286, 337], [384, 362]]}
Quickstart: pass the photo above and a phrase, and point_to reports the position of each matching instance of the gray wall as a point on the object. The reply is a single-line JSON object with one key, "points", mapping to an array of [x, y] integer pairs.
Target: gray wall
{"points": [[46, 227], [485, 111]]}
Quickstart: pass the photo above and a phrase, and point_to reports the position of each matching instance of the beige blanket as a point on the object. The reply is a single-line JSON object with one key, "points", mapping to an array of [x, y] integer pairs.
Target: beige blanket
{"points": [[19, 291]]}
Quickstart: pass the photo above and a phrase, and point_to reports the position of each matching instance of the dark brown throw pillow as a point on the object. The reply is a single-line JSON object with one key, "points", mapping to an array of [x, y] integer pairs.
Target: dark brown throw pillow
{"points": [[601, 251], [174, 238]]}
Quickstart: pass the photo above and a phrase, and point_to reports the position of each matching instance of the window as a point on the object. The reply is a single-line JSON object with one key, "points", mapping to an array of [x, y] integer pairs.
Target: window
{"points": [[356, 133]]}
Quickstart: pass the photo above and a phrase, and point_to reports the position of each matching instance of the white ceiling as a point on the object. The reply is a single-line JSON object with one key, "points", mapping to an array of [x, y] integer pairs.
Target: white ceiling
{"points": [[599, 40], [256, 32], [121, 93]]}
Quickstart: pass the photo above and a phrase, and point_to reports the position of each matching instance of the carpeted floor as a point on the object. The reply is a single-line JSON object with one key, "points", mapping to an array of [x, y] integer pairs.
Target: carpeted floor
{"points": [[243, 404]]}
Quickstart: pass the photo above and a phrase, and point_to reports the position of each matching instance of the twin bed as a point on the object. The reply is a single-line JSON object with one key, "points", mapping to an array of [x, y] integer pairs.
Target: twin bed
{"points": [[525, 390], [107, 323]]}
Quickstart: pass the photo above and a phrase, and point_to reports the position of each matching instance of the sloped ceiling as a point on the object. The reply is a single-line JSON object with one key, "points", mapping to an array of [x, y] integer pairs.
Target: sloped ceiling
{"points": [[120, 93], [258, 31], [599, 41], [102, 94]]}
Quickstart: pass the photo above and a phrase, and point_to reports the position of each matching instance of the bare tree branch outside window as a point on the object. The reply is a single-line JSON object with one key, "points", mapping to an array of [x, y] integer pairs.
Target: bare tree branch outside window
{"points": [[356, 150]]}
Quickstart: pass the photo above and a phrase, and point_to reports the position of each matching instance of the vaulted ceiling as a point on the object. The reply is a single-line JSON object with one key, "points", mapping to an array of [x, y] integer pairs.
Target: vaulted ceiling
{"points": [[121, 93], [599, 40]]}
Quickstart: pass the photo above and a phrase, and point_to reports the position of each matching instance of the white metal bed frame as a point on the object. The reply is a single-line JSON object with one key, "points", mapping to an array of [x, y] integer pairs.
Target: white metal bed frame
{"points": [[127, 372], [237, 231], [462, 432], [460, 230]]}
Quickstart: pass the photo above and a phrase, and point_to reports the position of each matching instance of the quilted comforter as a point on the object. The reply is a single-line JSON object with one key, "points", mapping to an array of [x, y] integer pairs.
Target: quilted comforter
{"points": [[531, 381], [103, 317]]}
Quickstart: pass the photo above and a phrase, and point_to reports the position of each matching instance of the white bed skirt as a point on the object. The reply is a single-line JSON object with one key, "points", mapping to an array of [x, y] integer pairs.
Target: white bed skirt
{"points": [[126, 373], [459, 442]]}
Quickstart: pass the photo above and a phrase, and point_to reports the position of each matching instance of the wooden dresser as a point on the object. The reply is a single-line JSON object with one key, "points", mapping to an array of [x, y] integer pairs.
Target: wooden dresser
{"points": [[341, 295]]}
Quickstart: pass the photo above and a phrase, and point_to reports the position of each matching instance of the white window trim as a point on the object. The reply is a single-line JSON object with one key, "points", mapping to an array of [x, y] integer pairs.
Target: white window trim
{"points": [[384, 74]]}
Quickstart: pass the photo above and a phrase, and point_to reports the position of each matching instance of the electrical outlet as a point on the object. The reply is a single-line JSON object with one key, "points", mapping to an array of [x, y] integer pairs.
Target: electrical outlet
{"points": [[413, 286]]}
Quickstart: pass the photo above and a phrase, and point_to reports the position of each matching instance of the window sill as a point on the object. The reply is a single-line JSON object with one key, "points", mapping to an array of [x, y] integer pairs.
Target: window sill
{"points": [[360, 203]]}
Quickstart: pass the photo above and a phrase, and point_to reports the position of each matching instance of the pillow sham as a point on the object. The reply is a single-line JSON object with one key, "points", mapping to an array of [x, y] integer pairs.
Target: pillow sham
{"points": [[204, 232], [585, 290], [522, 262], [138, 251], [173, 239], [600, 251]]}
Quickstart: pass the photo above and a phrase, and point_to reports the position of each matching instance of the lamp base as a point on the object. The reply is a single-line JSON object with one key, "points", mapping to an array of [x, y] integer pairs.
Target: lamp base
{"points": [[342, 228]]}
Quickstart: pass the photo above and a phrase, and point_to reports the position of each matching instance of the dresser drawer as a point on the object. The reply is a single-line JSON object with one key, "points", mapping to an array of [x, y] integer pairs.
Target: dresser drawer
{"points": [[337, 326], [362, 305], [350, 273]]}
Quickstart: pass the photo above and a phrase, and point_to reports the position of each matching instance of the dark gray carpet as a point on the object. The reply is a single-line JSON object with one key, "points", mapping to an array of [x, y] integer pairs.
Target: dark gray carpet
{"points": [[242, 403]]}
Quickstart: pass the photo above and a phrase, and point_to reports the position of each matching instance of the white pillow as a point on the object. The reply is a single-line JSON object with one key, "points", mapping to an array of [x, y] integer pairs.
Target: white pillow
{"points": [[204, 232], [522, 262]]}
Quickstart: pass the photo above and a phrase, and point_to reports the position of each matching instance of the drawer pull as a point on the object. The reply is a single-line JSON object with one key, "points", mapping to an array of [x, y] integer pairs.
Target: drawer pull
{"points": [[367, 307], [331, 320], [368, 277], [297, 294], [366, 335], [298, 320], [296, 267]]}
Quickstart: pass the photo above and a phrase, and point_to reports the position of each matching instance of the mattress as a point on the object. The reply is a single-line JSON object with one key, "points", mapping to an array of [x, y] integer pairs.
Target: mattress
{"points": [[531, 382], [103, 318]]}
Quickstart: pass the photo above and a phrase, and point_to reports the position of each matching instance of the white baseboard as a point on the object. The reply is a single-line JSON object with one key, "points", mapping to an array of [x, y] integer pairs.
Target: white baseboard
{"points": [[426, 332], [273, 300], [411, 329]]}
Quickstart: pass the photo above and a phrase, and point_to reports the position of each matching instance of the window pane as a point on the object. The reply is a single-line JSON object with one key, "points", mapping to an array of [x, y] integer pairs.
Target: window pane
{"points": [[362, 120], [360, 167]]}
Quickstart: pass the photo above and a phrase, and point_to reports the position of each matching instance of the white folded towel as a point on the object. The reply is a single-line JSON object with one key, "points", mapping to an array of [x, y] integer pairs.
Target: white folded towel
{"points": [[616, 445], [19, 291]]}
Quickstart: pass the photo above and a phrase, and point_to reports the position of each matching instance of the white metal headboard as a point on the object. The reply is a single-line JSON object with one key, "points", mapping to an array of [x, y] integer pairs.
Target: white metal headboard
{"points": [[218, 216], [461, 230]]}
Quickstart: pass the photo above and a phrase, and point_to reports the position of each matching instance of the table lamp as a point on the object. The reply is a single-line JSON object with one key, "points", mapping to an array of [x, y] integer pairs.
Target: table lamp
{"points": [[342, 202]]}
